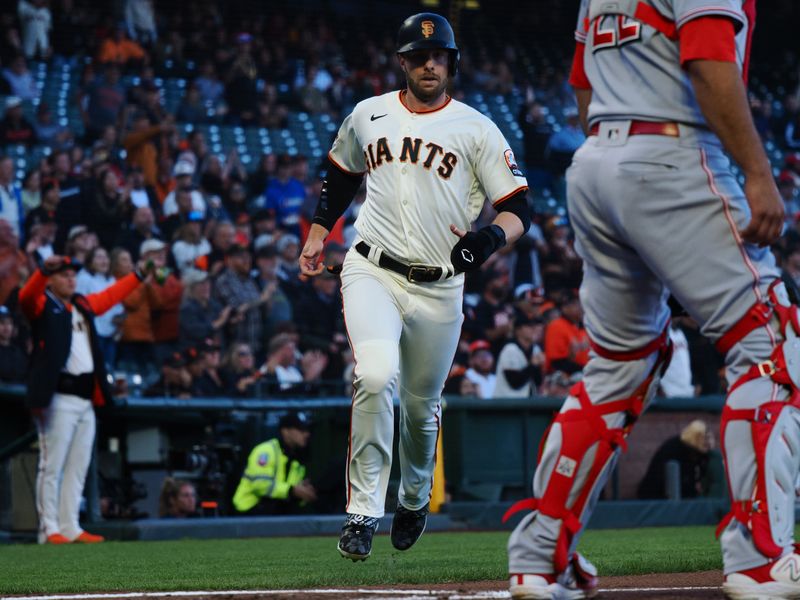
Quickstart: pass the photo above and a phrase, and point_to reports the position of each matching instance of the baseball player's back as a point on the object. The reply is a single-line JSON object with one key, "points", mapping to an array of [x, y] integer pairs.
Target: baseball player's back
{"points": [[655, 209], [634, 62]]}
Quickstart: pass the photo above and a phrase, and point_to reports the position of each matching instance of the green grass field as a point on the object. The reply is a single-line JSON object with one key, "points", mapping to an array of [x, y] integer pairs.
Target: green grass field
{"points": [[314, 562]]}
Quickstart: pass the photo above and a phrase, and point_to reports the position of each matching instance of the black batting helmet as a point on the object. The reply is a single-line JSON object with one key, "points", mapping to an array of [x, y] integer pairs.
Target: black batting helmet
{"points": [[428, 31]]}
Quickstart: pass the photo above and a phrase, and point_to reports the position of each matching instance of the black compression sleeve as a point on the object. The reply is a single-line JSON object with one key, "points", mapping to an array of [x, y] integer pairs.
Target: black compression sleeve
{"points": [[518, 205], [518, 377], [337, 193]]}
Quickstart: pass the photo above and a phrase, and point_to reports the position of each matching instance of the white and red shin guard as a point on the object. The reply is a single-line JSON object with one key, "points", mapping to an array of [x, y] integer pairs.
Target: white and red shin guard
{"points": [[761, 445], [575, 459]]}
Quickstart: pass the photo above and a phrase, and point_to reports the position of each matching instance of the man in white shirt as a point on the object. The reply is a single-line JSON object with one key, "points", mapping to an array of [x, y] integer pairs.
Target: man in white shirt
{"points": [[677, 381], [519, 365], [481, 368]]}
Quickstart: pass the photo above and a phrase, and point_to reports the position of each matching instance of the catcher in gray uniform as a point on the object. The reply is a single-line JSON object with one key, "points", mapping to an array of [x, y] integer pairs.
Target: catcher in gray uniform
{"points": [[655, 208]]}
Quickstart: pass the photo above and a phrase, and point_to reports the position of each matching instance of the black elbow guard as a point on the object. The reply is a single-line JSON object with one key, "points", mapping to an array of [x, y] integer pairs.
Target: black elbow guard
{"points": [[518, 205], [338, 190]]}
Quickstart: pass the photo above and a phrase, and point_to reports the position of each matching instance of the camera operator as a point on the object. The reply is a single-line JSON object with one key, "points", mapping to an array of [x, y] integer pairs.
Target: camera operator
{"points": [[274, 480]]}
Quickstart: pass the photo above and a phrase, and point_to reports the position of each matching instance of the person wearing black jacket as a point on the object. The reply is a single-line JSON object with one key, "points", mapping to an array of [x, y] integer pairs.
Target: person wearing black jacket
{"points": [[204, 364], [13, 362], [690, 450], [67, 377]]}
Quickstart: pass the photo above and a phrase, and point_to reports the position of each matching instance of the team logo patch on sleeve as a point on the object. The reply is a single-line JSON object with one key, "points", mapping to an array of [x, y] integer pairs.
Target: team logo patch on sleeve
{"points": [[262, 460], [512, 163]]}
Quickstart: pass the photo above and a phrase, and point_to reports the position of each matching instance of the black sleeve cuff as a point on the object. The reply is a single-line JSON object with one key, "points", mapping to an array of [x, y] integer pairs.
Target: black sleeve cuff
{"points": [[518, 205], [337, 193]]}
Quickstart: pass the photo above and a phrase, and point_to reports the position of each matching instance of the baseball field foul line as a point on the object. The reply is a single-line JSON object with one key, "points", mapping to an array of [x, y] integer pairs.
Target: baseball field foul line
{"points": [[366, 594]]}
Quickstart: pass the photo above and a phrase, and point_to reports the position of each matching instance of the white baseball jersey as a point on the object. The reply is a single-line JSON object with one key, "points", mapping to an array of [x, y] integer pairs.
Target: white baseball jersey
{"points": [[645, 80], [80, 354], [424, 172]]}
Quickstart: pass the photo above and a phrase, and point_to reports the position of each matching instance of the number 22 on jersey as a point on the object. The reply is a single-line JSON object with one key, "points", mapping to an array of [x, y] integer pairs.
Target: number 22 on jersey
{"points": [[613, 31]]}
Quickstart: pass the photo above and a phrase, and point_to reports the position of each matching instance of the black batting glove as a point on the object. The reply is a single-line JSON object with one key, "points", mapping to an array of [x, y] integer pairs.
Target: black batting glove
{"points": [[475, 247]]}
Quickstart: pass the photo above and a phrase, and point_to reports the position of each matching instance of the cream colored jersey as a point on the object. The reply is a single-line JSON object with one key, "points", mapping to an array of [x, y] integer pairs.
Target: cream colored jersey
{"points": [[424, 172]]}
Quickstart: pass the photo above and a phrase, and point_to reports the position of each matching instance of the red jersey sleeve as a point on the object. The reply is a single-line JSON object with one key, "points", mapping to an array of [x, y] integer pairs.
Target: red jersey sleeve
{"points": [[707, 38], [118, 291], [31, 296], [577, 76]]}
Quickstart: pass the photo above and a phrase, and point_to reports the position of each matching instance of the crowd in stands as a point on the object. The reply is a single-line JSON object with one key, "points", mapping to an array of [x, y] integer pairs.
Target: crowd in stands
{"points": [[227, 314]]}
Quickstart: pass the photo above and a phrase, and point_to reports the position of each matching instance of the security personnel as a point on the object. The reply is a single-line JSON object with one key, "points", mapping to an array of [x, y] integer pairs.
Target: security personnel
{"points": [[274, 479]]}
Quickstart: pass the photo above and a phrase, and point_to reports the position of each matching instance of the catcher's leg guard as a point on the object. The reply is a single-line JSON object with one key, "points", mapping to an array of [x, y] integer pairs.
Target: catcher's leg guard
{"points": [[760, 435], [577, 456]]}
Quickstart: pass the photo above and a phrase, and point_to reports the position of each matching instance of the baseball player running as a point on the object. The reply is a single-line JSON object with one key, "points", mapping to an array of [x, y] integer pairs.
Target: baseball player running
{"points": [[67, 377], [430, 162], [655, 208]]}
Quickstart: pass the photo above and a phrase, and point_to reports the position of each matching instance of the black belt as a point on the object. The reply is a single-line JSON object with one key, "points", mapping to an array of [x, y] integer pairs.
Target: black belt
{"points": [[77, 385], [414, 272]]}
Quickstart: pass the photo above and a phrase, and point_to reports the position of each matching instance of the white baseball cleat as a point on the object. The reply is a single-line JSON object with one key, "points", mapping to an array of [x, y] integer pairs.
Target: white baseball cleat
{"points": [[578, 581], [525, 586], [776, 579]]}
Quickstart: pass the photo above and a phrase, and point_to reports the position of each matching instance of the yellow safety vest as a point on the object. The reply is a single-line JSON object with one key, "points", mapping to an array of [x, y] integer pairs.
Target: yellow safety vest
{"points": [[267, 476]]}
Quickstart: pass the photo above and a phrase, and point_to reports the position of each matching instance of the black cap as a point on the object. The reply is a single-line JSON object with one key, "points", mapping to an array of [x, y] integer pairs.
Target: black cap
{"points": [[192, 355], [208, 345], [264, 214], [67, 264], [296, 419], [428, 31], [521, 319], [49, 184], [176, 360], [236, 250], [267, 252], [40, 218]]}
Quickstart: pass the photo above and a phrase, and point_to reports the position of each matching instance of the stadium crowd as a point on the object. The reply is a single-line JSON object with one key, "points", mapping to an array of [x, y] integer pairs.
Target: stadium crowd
{"points": [[227, 314]]}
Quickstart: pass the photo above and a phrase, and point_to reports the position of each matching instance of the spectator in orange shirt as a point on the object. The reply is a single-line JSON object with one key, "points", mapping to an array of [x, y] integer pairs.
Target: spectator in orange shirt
{"points": [[566, 345], [138, 337], [165, 180], [140, 144], [166, 318], [119, 49]]}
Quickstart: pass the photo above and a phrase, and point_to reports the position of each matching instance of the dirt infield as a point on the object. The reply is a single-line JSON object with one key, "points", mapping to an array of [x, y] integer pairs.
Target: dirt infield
{"points": [[658, 586]]}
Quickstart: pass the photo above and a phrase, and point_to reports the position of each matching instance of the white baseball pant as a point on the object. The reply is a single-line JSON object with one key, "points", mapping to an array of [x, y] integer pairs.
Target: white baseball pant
{"points": [[66, 437], [398, 330]]}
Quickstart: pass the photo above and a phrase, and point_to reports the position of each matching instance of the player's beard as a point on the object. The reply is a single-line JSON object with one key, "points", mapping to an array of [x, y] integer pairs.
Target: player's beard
{"points": [[424, 94]]}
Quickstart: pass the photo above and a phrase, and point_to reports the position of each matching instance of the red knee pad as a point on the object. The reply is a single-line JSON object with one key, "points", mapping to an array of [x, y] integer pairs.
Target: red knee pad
{"points": [[753, 513], [582, 428]]}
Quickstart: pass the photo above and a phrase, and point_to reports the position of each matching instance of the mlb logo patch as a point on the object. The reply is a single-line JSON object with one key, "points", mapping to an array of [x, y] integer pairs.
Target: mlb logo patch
{"points": [[566, 466], [511, 163]]}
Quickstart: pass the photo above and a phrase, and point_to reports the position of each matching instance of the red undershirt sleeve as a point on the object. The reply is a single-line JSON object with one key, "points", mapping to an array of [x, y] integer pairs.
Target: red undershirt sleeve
{"points": [[577, 76], [707, 38]]}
